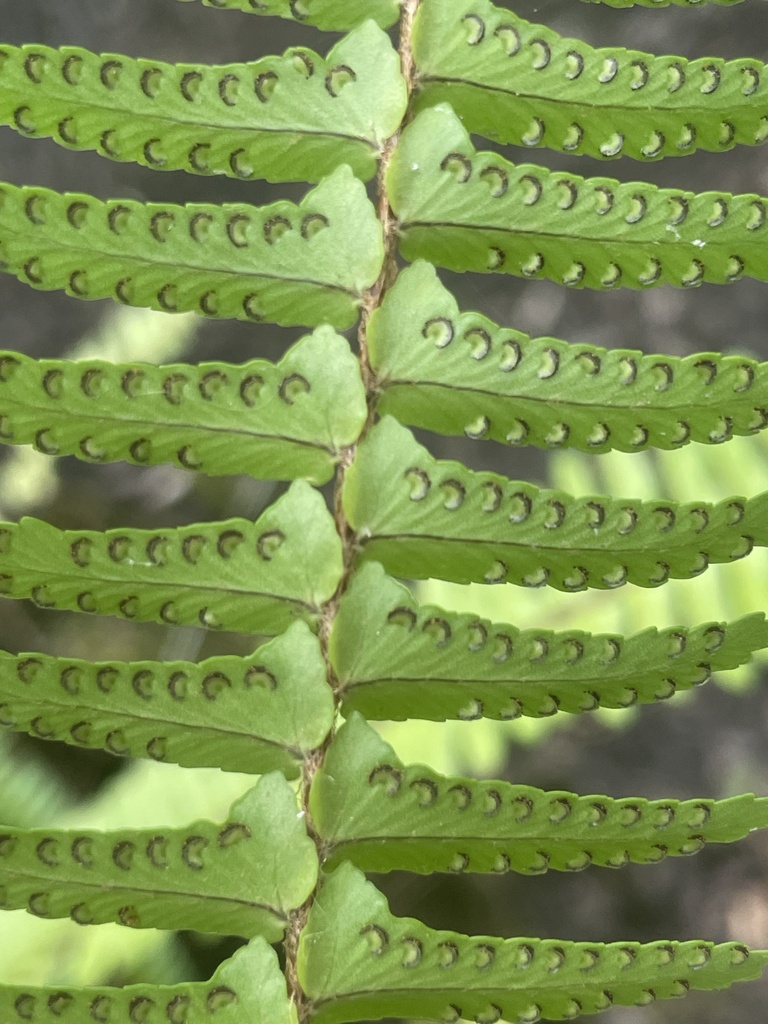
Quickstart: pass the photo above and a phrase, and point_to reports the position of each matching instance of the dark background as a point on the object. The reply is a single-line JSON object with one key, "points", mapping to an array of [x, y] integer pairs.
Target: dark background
{"points": [[683, 751]]}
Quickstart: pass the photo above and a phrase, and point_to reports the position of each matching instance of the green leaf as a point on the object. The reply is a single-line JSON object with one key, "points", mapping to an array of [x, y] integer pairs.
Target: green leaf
{"points": [[357, 961], [305, 264], [421, 517], [254, 714], [249, 577], [396, 660], [242, 877], [269, 421], [249, 988], [476, 211], [381, 815], [522, 83], [290, 118], [449, 371], [332, 15]]}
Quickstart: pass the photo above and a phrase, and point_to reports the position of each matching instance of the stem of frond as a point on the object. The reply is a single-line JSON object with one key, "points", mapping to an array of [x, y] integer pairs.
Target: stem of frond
{"points": [[371, 302]]}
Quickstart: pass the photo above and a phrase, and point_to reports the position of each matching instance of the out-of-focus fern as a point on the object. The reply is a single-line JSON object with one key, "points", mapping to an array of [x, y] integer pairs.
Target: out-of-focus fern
{"points": [[29, 792]]}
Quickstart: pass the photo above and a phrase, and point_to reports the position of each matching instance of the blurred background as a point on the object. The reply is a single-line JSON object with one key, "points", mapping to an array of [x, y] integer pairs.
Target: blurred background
{"points": [[710, 743]]}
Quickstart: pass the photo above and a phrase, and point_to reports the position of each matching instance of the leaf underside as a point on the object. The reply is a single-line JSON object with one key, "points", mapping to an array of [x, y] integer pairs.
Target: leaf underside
{"points": [[522, 83], [234, 575], [288, 264], [410, 818], [255, 714], [396, 660], [242, 877], [357, 961], [249, 988], [265, 420], [459, 373], [465, 210], [291, 118], [301, 117], [421, 517], [331, 15]]}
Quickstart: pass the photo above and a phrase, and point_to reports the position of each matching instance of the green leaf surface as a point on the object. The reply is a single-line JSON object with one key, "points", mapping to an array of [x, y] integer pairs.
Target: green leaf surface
{"points": [[249, 577], [357, 961], [332, 15], [466, 210], [421, 517], [397, 660], [249, 988], [381, 815], [458, 373], [269, 421], [522, 83], [290, 264], [242, 877], [254, 714], [290, 118]]}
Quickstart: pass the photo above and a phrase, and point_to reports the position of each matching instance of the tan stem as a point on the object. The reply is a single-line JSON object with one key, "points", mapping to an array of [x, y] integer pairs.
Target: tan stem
{"points": [[371, 302]]}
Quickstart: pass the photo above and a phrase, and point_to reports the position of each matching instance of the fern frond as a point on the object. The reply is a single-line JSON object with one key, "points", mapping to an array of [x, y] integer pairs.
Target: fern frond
{"points": [[523, 83], [422, 517], [396, 660], [409, 818], [234, 575], [249, 988], [269, 421], [466, 210], [457, 373], [332, 15], [292, 118], [289, 264], [280, 862], [254, 714], [358, 961], [242, 877], [708, 471], [57, 952]]}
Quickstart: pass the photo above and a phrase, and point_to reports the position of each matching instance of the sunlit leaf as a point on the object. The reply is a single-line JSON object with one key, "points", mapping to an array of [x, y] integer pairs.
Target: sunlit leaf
{"points": [[333, 15], [247, 989], [290, 118], [422, 517], [449, 371], [254, 714], [250, 577], [382, 815], [466, 210], [266, 420], [241, 877], [523, 83], [291, 264], [357, 961], [396, 660]]}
